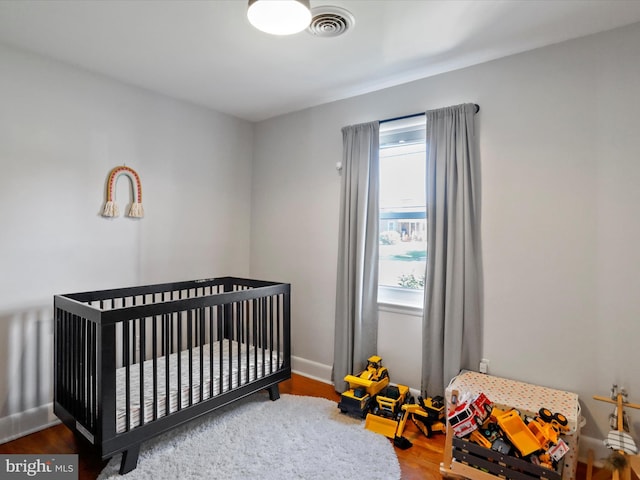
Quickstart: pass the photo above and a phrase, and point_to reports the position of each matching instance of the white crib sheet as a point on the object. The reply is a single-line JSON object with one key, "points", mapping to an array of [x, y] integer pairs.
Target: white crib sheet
{"points": [[240, 373]]}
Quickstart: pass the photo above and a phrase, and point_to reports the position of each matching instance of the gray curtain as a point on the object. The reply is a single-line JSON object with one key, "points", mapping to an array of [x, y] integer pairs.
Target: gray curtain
{"points": [[356, 321], [452, 322]]}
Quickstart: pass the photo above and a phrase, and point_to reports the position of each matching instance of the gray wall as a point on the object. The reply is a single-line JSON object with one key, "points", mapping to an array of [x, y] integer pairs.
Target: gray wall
{"points": [[61, 131], [561, 229]]}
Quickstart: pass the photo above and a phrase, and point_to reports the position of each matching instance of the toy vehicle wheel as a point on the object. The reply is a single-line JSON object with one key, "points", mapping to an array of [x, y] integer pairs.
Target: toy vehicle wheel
{"points": [[561, 419], [545, 414], [478, 420]]}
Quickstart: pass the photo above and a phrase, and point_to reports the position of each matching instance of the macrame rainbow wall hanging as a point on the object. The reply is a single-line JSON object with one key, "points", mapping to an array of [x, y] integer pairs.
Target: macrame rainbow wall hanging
{"points": [[111, 207]]}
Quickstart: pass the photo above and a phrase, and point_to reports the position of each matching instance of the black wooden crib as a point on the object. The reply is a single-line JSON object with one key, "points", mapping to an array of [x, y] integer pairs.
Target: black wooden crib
{"points": [[132, 363]]}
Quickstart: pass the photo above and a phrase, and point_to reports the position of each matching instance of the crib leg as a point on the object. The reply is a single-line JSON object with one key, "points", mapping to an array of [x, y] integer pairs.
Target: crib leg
{"points": [[274, 392], [129, 459]]}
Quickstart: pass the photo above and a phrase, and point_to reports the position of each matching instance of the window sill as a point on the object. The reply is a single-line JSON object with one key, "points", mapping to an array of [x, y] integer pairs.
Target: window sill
{"points": [[400, 300]]}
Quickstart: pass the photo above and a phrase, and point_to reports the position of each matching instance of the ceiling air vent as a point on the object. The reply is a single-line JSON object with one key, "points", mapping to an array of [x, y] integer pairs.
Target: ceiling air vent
{"points": [[330, 21]]}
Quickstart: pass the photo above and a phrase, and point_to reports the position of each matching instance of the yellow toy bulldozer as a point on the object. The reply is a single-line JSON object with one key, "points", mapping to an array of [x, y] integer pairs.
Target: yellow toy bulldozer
{"points": [[427, 415], [364, 387], [429, 418], [387, 410]]}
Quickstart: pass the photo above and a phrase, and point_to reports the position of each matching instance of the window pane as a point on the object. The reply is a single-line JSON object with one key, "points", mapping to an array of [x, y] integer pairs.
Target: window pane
{"points": [[402, 257]]}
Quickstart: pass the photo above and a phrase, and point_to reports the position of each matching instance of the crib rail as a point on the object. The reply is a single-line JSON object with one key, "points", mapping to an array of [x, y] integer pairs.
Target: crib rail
{"points": [[126, 358], [163, 292]]}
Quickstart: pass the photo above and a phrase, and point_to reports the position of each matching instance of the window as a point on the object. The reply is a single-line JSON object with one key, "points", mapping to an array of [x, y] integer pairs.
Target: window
{"points": [[403, 227]]}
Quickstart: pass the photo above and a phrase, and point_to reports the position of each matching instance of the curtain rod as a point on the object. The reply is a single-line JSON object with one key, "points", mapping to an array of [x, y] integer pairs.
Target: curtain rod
{"points": [[415, 115]]}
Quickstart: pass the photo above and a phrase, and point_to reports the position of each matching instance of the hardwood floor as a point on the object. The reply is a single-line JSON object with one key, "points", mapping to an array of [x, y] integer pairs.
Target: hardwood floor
{"points": [[59, 439], [422, 461]]}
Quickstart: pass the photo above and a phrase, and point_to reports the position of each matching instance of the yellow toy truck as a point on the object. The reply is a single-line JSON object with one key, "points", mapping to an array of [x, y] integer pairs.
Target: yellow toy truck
{"points": [[427, 415], [363, 388], [386, 410], [429, 418], [516, 431], [389, 401]]}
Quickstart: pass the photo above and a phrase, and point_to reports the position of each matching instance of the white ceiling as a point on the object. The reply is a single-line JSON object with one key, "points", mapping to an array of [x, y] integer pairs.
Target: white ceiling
{"points": [[205, 51]]}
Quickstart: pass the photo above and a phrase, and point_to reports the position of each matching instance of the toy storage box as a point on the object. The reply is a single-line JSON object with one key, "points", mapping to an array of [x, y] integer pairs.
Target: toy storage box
{"points": [[460, 455]]}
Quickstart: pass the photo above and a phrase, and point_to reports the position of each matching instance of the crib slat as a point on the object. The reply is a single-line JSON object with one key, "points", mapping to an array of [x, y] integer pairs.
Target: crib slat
{"points": [[238, 309], [86, 369], [141, 358], [83, 369], [220, 348], [245, 306], [96, 368], [56, 353], [277, 332], [211, 339], [65, 352], [80, 368], [271, 317], [179, 358], [133, 339], [77, 325], [267, 320], [167, 339], [72, 365], [125, 361], [229, 335], [60, 377], [154, 361], [201, 341], [68, 359], [75, 371], [90, 374], [190, 348], [278, 323], [255, 338], [263, 331]]}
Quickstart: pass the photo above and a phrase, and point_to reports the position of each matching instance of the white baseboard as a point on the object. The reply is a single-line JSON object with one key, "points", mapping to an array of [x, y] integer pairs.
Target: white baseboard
{"points": [[30, 421], [321, 372], [311, 369]]}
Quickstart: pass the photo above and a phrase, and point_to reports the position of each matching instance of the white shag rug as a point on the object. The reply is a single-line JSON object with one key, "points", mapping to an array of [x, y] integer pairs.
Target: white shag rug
{"points": [[295, 437]]}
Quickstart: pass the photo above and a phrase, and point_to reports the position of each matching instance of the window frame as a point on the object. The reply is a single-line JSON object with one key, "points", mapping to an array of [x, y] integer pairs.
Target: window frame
{"points": [[404, 131]]}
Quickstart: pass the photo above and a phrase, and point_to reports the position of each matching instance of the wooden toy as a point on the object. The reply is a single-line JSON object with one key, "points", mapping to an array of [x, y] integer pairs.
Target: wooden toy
{"points": [[624, 457]]}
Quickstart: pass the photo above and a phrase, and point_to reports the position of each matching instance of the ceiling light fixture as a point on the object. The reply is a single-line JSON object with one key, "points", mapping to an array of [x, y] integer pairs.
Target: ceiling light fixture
{"points": [[279, 17]]}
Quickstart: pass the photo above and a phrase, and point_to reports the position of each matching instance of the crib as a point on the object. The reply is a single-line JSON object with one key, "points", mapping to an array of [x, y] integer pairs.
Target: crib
{"points": [[132, 363]]}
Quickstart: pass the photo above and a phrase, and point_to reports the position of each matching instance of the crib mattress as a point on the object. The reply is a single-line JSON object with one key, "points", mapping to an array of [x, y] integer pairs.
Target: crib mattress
{"points": [[237, 365]]}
